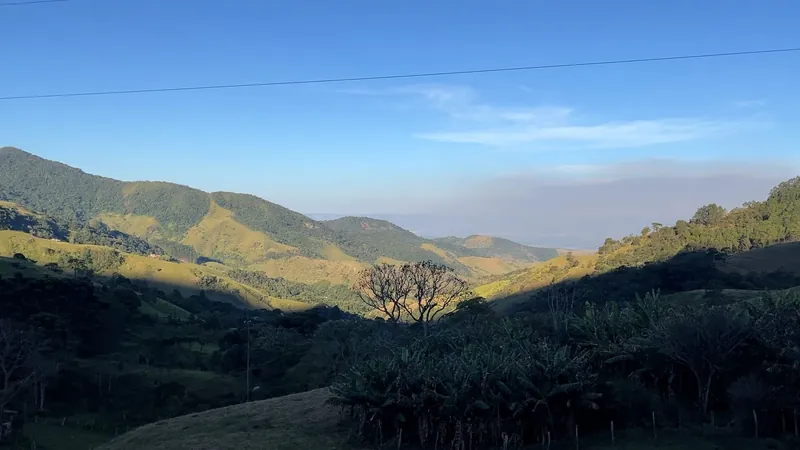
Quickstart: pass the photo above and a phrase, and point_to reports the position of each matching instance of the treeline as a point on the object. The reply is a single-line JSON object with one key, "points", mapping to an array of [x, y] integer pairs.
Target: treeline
{"points": [[686, 271], [320, 293], [754, 225]]}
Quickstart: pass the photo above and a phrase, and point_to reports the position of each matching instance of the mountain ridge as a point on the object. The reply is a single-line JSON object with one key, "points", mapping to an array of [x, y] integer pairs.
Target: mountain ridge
{"points": [[247, 229]]}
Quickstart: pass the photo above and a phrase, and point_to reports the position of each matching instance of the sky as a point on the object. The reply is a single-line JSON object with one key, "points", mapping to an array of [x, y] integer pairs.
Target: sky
{"points": [[550, 157]]}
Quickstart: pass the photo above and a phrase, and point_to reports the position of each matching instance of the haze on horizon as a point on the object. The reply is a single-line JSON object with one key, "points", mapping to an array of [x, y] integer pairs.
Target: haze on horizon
{"points": [[560, 157]]}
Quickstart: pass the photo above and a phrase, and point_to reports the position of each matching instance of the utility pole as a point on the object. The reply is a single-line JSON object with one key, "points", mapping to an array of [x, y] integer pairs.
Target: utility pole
{"points": [[247, 319]]}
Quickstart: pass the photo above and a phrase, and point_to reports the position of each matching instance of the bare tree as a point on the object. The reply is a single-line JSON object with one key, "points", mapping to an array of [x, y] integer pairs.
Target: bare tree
{"points": [[384, 288], [419, 291], [19, 352]]}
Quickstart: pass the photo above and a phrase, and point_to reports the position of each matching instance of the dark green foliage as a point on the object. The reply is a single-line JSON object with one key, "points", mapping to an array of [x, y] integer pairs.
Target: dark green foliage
{"points": [[11, 219], [499, 248], [95, 234], [291, 228], [473, 382], [178, 251], [76, 197], [99, 234], [384, 239], [320, 293]]}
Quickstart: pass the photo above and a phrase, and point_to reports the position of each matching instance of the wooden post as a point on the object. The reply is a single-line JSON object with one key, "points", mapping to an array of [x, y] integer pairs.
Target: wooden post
{"points": [[400, 439], [577, 439], [783, 422], [548, 439], [655, 435], [613, 439], [755, 422]]}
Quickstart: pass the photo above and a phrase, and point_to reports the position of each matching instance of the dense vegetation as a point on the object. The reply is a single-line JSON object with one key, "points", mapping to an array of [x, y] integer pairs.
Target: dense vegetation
{"points": [[71, 195], [127, 353], [320, 293], [488, 381], [384, 238], [493, 247], [95, 233]]}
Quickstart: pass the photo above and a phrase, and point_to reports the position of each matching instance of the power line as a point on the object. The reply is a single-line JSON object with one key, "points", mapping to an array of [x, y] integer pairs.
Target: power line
{"points": [[32, 2], [400, 76]]}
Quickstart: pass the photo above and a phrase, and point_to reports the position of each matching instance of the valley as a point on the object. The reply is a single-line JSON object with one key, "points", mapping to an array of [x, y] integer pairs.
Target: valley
{"points": [[160, 316]]}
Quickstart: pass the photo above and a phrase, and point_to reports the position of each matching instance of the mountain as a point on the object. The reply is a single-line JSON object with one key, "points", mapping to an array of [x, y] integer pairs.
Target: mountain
{"points": [[494, 247], [757, 237], [239, 230]]}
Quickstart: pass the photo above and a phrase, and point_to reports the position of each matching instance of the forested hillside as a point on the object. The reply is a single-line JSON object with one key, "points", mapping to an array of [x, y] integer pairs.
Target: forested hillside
{"points": [[238, 229], [711, 236], [493, 247]]}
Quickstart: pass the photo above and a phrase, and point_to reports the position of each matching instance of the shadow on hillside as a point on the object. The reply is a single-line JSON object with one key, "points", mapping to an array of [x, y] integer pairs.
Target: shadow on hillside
{"points": [[184, 295], [687, 271]]}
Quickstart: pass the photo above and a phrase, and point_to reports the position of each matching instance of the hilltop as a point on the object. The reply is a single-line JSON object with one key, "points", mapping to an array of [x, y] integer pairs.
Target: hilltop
{"points": [[239, 230]]}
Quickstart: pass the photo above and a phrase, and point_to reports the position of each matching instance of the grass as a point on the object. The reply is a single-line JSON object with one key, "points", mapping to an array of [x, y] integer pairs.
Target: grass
{"points": [[210, 384], [483, 266], [298, 421], [310, 270], [53, 436], [219, 235], [146, 227], [164, 274], [768, 259]]}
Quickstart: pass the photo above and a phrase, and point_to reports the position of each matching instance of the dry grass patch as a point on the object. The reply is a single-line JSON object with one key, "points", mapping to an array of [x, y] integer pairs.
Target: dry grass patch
{"points": [[298, 421]]}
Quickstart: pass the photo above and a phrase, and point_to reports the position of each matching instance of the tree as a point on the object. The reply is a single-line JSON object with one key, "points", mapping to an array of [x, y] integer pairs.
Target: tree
{"points": [[711, 214], [419, 291], [702, 341], [19, 352], [81, 265]]}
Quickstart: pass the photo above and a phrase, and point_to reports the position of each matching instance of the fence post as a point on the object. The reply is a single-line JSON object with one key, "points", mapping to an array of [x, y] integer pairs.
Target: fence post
{"points": [[655, 434], [613, 439]]}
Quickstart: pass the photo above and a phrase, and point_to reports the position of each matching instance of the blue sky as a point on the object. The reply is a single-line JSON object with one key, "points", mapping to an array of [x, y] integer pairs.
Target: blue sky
{"points": [[396, 146]]}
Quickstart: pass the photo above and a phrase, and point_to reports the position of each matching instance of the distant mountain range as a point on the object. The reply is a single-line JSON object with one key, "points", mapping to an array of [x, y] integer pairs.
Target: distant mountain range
{"points": [[241, 230]]}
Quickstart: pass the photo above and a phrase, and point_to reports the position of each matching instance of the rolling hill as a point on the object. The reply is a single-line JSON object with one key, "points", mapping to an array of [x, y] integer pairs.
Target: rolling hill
{"points": [[239, 230]]}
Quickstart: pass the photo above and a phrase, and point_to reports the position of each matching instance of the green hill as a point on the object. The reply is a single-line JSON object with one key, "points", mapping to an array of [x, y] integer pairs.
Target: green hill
{"points": [[494, 247], [240, 230], [758, 237]]}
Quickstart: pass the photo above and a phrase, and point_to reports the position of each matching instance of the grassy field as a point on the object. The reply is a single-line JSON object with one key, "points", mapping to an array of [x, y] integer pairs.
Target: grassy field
{"points": [[163, 274], [303, 421], [768, 259], [299, 421], [53, 436]]}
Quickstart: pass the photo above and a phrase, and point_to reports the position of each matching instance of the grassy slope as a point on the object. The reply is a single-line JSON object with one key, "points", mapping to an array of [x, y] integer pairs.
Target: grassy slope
{"points": [[539, 275], [303, 421], [299, 421], [769, 259], [219, 236], [166, 275]]}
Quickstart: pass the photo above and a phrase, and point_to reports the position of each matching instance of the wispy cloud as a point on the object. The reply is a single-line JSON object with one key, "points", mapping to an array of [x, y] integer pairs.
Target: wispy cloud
{"points": [[479, 122], [757, 103]]}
